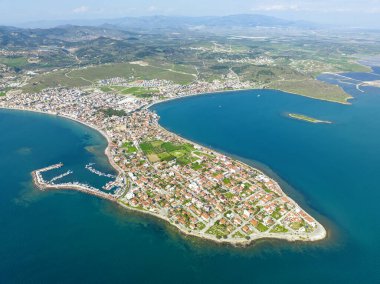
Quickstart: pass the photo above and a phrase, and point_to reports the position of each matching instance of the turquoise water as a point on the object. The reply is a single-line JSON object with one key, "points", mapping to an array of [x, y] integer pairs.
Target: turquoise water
{"points": [[331, 170]]}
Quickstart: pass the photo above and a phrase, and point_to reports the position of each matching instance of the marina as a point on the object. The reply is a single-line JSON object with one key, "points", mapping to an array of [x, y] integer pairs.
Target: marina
{"points": [[42, 184], [98, 173]]}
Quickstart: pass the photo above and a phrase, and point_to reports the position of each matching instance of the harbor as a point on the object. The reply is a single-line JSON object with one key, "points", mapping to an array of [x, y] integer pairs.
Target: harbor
{"points": [[43, 184]]}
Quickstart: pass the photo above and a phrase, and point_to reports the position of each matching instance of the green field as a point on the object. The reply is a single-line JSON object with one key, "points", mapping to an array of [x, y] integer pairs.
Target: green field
{"points": [[218, 230], [158, 150], [14, 62], [113, 112], [134, 91], [2, 94], [129, 147], [313, 89], [91, 75], [279, 229], [238, 235], [261, 227]]}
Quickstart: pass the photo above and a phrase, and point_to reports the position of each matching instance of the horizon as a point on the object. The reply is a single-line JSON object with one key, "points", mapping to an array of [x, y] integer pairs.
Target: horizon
{"points": [[334, 13]]}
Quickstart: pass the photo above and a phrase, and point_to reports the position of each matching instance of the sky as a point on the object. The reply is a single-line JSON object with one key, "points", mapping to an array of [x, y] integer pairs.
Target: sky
{"points": [[354, 13]]}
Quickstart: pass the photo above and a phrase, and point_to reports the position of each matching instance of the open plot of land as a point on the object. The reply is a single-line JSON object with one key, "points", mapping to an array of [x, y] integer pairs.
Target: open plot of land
{"points": [[313, 89], [129, 147], [91, 75], [279, 229], [134, 91], [15, 62], [218, 230], [166, 151]]}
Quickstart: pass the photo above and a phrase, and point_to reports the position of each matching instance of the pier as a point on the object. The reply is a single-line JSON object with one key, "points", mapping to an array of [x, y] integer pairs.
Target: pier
{"points": [[99, 173], [60, 176]]}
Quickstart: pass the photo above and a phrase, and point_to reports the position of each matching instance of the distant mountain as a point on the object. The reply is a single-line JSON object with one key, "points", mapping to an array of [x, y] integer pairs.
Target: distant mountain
{"points": [[152, 23], [132, 28], [19, 37]]}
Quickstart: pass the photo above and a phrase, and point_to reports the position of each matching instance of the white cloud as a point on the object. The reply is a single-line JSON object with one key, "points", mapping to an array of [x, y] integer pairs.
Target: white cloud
{"points": [[81, 10]]}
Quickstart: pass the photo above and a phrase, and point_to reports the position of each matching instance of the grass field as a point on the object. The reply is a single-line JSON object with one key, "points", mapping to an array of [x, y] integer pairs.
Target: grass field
{"points": [[2, 94], [261, 227], [158, 150], [91, 75], [15, 62], [218, 230], [129, 147], [134, 91], [279, 229]]}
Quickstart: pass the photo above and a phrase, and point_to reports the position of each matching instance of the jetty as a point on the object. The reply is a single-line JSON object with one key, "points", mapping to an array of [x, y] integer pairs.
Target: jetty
{"points": [[60, 176], [98, 173]]}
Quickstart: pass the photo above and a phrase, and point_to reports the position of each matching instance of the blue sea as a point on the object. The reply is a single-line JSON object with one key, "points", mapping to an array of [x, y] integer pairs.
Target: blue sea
{"points": [[331, 170]]}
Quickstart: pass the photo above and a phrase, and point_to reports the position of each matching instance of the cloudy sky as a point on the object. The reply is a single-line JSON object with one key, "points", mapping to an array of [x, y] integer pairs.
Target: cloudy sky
{"points": [[365, 13]]}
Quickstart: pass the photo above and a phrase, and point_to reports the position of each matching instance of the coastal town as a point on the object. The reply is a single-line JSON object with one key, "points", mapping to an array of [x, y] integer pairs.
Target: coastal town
{"points": [[199, 191]]}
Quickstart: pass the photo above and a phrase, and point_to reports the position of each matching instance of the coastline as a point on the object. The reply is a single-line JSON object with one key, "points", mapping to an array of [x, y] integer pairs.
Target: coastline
{"points": [[322, 232], [319, 233], [249, 89]]}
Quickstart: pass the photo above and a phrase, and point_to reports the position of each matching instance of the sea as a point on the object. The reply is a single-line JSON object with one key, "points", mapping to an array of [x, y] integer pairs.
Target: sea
{"points": [[331, 170]]}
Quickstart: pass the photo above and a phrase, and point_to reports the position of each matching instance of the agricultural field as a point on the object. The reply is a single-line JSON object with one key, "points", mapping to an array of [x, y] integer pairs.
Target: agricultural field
{"points": [[14, 62], [138, 92], [91, 75], [166, 151]]}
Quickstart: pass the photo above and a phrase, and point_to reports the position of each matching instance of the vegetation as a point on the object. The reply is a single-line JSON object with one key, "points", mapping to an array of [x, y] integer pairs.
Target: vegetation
{"points": [[313, 89], [113, 112], [87, 55], [200, 226], [276, 215], [129, 147], [307, 118], [261, 227], [166, 151], [2, 94], [279, 229], [89, 76], [219, 230], [296, 225], [14, 62], [238, 235]]}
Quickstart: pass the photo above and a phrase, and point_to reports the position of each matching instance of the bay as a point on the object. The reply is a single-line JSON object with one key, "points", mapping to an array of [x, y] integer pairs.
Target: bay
{"points": [[331, 170]]}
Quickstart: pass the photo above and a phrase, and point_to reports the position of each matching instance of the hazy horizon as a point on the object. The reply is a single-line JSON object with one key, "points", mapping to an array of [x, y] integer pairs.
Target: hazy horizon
{"points": [[363, 14]]}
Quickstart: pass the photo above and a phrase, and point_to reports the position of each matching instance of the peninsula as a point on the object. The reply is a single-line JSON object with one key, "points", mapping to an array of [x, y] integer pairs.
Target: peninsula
{"points": [[197, 190]]}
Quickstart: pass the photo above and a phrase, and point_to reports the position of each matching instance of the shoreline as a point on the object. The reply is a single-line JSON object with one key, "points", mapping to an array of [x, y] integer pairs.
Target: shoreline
{"points": [[250, 89], [319, 233], [319, 237], [322, 235]]}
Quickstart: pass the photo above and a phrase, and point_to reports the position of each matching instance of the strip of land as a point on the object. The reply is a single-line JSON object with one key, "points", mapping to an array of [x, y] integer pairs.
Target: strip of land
{"points": [[307, 118]]}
